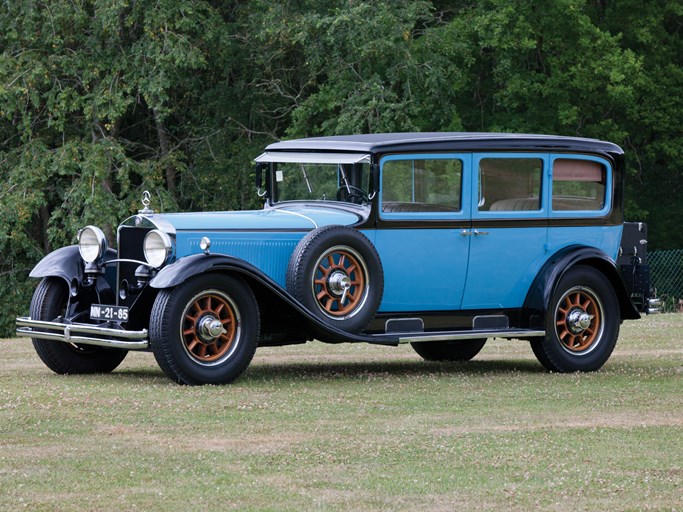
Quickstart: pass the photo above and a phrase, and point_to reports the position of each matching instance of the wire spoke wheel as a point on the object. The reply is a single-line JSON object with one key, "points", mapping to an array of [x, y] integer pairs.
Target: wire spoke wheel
{"points": [[210, 327], [340, 282]]}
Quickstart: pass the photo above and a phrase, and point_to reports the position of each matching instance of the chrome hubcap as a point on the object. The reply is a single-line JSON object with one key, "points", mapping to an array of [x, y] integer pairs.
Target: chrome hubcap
{"points": [[339, 283], [210, 328], [578, 320]]}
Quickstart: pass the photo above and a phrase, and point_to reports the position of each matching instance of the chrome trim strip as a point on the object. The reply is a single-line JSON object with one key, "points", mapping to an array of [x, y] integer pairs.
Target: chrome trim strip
{"points": [[123, 260], [69, 333], [315, 225], [469, 335]]}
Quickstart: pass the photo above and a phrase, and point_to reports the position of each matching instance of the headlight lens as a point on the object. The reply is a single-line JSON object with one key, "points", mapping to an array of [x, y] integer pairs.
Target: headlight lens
{"points": [[92, 243], [158, 247]]}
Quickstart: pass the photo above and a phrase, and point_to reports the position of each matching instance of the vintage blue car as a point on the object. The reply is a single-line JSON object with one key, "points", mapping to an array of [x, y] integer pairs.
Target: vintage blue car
{"points": [[440, 240]]}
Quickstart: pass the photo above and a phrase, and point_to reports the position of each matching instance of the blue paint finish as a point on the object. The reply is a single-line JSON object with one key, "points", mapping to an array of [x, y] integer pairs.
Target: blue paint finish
{"points": [[269, 252], [604, 238], [504, 261], [263, 238], [424, 269], [502, 266]]}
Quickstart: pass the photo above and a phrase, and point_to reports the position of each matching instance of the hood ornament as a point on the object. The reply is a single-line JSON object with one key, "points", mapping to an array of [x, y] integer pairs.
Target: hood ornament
{"points": [[146, 198]]}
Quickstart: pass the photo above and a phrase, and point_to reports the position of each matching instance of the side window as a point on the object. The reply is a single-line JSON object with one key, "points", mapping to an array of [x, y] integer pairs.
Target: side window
{"points": [[578, 185], [422, 185], [510, 184]]}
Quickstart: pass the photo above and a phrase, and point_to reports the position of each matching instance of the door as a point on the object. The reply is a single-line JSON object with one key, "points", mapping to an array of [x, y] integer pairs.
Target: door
{"points": [[509, 228], [423, 212]]}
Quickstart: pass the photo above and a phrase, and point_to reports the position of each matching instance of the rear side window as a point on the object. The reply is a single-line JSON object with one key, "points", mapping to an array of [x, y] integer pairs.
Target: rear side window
{"points": [[578, 185], [422, 185], [510, 184]]}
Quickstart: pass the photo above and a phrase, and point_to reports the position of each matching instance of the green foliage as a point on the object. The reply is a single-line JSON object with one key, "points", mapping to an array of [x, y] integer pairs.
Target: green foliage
{"points": [[100, 100]]}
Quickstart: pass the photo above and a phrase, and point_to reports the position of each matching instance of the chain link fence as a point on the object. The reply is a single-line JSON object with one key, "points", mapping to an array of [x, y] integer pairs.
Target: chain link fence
{"points": [[666, 273]]}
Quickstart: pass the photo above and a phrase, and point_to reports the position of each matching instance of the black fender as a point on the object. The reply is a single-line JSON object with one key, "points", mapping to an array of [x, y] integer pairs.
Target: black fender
{"points": [[67, 264], [546, 280], [190, 266]]}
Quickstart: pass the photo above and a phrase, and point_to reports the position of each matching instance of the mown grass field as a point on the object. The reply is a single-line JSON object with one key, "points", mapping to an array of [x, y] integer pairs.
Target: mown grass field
{"points": [[320, 427]]}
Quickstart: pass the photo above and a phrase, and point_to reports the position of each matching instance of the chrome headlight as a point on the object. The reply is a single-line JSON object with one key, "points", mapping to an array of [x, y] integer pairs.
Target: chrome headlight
{"points": [[92, 244], [158, 248]]}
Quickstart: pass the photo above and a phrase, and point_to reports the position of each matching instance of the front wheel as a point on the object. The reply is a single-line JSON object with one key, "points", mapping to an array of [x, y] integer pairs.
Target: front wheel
{"points": [[582, 323], [49, 303], [205, 331]]}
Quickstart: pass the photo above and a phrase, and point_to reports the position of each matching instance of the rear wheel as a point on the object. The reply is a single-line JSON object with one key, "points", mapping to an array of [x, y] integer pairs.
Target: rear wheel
{"points": [[205, 331], [449, 350], [582, 323], [48, 303]]}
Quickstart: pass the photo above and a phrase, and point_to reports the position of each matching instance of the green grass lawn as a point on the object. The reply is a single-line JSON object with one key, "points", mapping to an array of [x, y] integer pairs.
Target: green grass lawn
{"points": [[352, 427]]}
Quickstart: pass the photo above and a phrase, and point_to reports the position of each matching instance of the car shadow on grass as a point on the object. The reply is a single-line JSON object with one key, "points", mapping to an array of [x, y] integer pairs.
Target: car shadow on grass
{"points": [[325, 371], [353, 370]]}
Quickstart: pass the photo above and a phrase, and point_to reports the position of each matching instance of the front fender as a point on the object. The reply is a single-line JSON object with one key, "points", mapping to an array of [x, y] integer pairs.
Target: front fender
{"points": [[65, 263], [190, 266], [546, 281]]}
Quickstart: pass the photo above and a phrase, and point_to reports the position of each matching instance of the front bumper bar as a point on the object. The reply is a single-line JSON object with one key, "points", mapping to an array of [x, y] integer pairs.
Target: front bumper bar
{"points": [[84, 334]]}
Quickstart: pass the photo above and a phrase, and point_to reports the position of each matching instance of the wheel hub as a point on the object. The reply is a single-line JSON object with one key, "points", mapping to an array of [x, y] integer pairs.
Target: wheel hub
{"points": [[210, 328], [578, 320], [339, 283]]}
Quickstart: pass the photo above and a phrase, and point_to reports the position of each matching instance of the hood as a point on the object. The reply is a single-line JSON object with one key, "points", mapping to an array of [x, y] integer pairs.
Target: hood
{"points": [[291, 217]]}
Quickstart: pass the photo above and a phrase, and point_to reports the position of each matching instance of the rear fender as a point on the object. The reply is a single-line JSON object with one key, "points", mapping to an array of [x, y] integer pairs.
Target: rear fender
{"points": [[546, 281]]}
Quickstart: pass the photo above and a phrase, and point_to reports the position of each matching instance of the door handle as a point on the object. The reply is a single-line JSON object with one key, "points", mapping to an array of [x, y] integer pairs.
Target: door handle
{"points": [[476, 232]]}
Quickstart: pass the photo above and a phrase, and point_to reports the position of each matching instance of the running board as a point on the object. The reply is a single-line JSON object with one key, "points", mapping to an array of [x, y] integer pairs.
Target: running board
{"points": [[416, 337]]}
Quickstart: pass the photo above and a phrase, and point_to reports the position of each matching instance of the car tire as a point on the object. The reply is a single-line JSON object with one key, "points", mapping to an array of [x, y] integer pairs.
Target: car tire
{"points": [[205, 331], [336, 273], [582, 323], [49, 302], [449, 350]]}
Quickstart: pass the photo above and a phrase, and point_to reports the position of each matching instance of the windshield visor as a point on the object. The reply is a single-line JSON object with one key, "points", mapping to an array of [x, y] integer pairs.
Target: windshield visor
{"points": [[318, 177]]}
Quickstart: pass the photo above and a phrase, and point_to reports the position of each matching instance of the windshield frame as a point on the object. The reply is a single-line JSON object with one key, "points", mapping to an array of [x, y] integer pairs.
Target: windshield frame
{"points": [[353, 173]]}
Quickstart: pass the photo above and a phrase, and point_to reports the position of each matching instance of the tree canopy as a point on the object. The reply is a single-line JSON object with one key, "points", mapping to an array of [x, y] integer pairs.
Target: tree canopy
{"points": [[102, 99]]}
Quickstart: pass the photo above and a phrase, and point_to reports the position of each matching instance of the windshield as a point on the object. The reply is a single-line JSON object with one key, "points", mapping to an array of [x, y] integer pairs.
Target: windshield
{"points": [[296, 181]]}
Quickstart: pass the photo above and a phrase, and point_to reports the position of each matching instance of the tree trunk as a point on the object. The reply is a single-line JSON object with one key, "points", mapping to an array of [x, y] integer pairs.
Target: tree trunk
{"points": [[165, 145]]}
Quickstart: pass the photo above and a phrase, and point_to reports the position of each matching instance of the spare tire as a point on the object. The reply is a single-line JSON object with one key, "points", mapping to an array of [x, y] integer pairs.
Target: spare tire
{"points": [[336, 273]]}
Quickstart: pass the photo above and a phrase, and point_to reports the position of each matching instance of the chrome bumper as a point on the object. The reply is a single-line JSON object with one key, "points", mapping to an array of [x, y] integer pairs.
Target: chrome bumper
{"points": [[653, 306], [85, 334]]}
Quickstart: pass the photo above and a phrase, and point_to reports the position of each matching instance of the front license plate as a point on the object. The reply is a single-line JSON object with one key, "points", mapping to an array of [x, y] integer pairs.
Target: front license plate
{"points": [[106, 312]]}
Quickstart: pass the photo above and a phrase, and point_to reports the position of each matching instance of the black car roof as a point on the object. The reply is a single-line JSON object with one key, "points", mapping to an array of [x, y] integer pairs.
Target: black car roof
{"points": [[429, 141]]}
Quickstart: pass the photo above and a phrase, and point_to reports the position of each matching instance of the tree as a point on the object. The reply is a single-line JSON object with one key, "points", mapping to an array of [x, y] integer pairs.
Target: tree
{"points": [[100, 100]]}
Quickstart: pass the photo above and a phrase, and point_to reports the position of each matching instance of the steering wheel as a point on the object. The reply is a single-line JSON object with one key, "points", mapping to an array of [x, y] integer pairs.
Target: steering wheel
{"points": [[352, 194]]}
